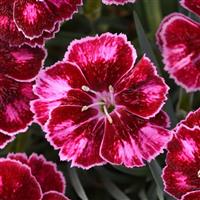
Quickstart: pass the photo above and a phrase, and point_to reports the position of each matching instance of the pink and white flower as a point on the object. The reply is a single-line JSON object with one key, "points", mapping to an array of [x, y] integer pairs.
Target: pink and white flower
{"points": [[178, 39], [32, 178], [97, 107], [182, 172], [18, 69], [22, 21]]}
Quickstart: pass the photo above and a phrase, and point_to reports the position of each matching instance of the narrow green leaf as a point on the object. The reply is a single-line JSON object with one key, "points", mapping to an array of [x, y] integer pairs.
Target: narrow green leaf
{"points": [[77, 184], [144, 43], [146, 48], [112, 189]]}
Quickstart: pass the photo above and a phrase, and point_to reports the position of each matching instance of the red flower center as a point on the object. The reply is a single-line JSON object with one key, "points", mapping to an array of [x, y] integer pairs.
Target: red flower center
{"points": [[103, 101]]}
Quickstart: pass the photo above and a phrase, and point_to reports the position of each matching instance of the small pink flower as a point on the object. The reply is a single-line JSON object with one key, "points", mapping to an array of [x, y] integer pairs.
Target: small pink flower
{"points": [[32, 178], [97, 107], [24, 19], [192, 5], [178, 38], [18, 69], [182, 172], [118, 2]]}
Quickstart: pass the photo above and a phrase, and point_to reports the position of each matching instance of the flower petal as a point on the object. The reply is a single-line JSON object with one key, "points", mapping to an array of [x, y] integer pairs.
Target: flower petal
{"points": [[102, 59], [118, 2], [181, 175], [21, 63], [141, 91], [9, 32], [46, 174], [131, 140], [192, 5], [192, 196], [77, 134], [54, 196], [17, 182], [5, 139], [15, 114], [180, 45], [44, 171], [161, 119], [192, 119], [54, 82], [29, 15]]}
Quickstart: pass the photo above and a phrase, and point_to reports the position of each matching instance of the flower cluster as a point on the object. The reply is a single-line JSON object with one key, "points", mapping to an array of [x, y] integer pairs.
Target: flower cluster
{"points": [[182, 173], [97, 107], [178, 39], [32, 178]]}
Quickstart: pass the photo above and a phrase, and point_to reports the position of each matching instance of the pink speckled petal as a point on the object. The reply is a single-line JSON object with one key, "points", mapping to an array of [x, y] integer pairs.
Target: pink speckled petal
{"points": [[21, 157], [54, 82], [131, 140], [77, 134], [192, 5], [118, 2], [29, 15], [178, 37], [52, 195], [15, 114], [192, 196], [183, 162], [102, 59], [141, 91], [17, 182], [10, 34], [21, 63]]}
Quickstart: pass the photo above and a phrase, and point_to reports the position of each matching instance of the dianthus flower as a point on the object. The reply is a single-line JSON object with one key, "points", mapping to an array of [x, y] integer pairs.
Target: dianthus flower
{"points": [[182, 172], [98, 107], [31, 21], [18, 68], [32, 178], [178, 38]]}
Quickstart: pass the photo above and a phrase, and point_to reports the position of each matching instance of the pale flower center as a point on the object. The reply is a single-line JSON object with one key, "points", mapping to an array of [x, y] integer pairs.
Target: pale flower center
{"points": [[104, 101]]}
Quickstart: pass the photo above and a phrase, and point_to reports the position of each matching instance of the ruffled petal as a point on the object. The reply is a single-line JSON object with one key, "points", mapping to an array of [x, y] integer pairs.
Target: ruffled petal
{"points": [[161, 119], [118, 2], [15, 114], [178, 37], [10, 33], [141, 91], [45, 172], [181, 174], [192, 119], [54, 196], [21, 63], [42, 108], [102, 59], [131, 140], [17, 182], [29, 15], [192, 196], [77, 134], [54, 82], [21, 157], [192, 5], [5, 139]]}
